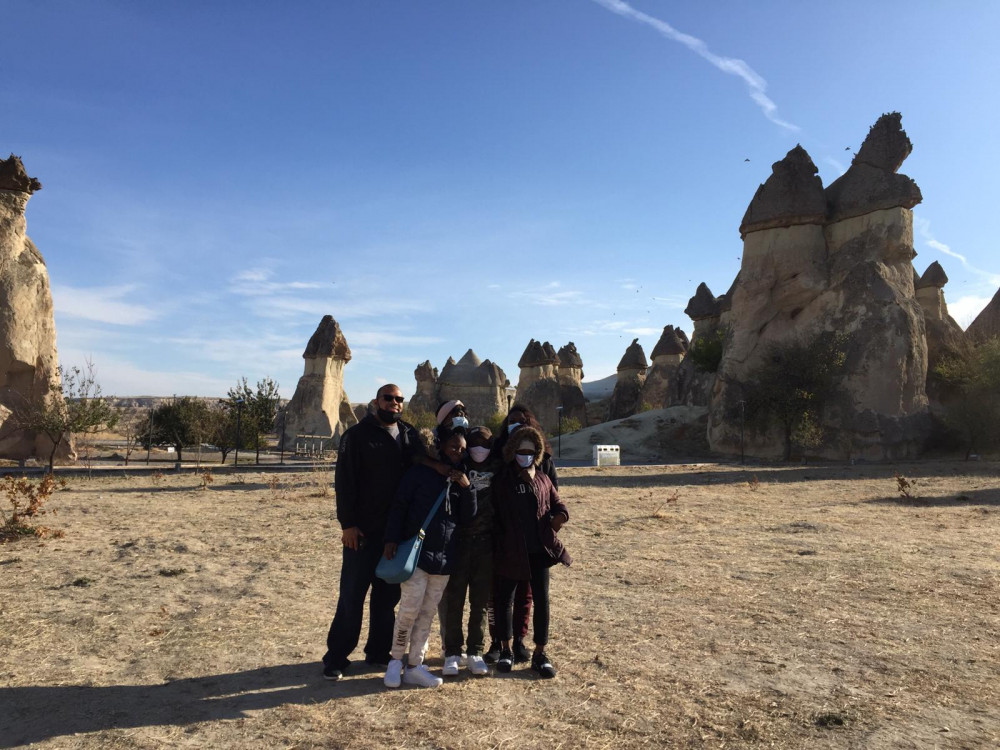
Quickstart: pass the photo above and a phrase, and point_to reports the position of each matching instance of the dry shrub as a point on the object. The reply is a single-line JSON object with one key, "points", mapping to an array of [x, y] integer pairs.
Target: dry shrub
{"points": [[206, 478], [671, 500], [753, 483], [27, 499], [156, 477], [321, 480], [273, 484], [903, 485]]}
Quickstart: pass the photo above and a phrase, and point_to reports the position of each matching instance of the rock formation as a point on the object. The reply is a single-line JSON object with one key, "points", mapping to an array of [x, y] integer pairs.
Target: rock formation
{"points": [[660, 388], [480, 385], [691, 386], [627, 398], [987, 323], [320, 408], [538, 385], [28, 359], [571, 384], [839, 259], [944, 335], [425, 398]]}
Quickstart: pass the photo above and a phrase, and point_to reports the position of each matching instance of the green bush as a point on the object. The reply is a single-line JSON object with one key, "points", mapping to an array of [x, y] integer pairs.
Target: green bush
{"points": [[420, 419], [706, 350], [972, 395]]}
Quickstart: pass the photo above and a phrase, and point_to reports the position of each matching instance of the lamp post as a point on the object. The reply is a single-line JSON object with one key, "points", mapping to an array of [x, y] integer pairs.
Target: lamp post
{"points": [[281, 439], [559, 410], [149, 442], [239, 416]]}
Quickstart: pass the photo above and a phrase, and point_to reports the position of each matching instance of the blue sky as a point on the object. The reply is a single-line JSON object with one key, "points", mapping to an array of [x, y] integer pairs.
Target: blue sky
{"points": [[445, 175]]}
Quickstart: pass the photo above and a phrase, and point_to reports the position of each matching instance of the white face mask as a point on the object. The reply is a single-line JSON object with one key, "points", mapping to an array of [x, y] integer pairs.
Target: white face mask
{"points": [[512, 427], [525, 461], [479, 454]]}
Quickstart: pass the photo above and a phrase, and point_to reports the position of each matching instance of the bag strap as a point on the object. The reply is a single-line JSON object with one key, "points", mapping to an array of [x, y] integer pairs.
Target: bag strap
{"points": [[434, 509]]}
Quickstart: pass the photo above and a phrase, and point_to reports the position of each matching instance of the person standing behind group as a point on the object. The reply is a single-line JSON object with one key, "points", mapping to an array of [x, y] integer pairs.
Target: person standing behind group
{"points": [[519, 415], [371, 460], [422, 491], [473, 571], [529, 514]]}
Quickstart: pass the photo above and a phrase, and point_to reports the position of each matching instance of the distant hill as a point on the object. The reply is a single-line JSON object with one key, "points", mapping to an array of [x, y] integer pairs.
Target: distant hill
{"points": [[596, 390]]}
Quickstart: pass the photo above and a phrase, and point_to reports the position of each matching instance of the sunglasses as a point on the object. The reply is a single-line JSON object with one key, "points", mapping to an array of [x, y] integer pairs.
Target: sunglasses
{"points": [[390, 399], [525, 453]]}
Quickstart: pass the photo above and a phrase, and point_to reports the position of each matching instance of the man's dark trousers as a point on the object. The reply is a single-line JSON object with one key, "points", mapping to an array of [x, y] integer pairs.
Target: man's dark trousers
{"points": [[357, 575]]}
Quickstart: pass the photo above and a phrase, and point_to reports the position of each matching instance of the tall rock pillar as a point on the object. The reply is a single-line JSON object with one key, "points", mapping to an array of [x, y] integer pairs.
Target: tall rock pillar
{"points": [[29, 364], [320, 407]]}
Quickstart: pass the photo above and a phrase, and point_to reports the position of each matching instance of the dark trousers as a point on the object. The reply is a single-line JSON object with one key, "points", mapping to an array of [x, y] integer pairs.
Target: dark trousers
{"points": [[357, 576], [522, 610], [539, 567], [472, 572]]}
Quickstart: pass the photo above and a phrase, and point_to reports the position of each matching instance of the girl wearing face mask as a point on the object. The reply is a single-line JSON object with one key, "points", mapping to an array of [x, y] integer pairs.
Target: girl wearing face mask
{"points": [[519, 416], [417, 495], [529, 514]]}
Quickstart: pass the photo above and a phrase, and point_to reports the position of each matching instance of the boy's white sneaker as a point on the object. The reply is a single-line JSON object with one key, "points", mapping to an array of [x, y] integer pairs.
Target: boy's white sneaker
{"points": [[463, 660], [477, 665], [450, 666], [421, 677], [393, 673]]}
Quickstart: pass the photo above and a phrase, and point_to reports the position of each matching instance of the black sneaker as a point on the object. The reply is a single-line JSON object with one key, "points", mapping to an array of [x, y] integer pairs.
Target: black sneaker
{"points": [[521, 653], [506, 661], [493, 654], [541, 664], [333, 673]]}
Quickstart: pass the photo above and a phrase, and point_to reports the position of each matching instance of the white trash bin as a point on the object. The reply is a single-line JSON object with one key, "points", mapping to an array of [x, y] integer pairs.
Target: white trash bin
{"points": [[607, 455]]}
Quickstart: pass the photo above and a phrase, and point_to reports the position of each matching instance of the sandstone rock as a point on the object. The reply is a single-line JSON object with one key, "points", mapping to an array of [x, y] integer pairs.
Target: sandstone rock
{"points": [[28, 358], [570, 378], [425, 398], [854, 274], [703, 304], [320, 408], [934, 276], [538, 384], [792, 195], [945, 337], [871, 182], [666, 358], [480, 385], [627, 398], [987, 323]]}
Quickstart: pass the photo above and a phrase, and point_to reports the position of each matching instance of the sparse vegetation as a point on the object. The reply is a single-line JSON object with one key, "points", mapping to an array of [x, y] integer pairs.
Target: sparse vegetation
{"points": [[26, 499], [420, 419], [903, 485], [971, 392], [706, 350], [792, 386], [206, 478]]}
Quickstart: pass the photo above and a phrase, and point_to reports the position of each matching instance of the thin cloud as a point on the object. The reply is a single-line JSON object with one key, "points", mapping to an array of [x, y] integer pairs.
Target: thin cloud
{"points": [[101, 304], [756, 85], [548, 295], [966, 309], [841, 169], [924, 228], [256, 282]]}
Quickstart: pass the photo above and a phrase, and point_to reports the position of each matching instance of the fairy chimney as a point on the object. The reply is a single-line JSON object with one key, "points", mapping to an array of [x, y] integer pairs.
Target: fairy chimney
{"points": [[480, 385], [425, 398], [626, 399], [538, 385], [838, 259], [666, 357], [571, 384], [28, 358], [320, 408], [987, 324]]}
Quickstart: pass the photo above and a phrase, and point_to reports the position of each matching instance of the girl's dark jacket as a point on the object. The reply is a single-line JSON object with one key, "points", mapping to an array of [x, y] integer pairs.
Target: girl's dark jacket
{"points": [[510, 551], [417, 493]]}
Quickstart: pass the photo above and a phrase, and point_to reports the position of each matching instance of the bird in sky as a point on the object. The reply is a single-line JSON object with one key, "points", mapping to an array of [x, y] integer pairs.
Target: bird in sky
{"points": [[746, 160]]}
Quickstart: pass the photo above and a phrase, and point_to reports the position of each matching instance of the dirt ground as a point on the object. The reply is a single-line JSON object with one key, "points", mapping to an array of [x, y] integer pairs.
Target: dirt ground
{"points": [[708, 606]]}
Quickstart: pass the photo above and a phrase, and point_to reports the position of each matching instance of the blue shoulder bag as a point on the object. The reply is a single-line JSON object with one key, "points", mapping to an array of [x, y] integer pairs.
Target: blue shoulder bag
{"points": [[404, 562]]}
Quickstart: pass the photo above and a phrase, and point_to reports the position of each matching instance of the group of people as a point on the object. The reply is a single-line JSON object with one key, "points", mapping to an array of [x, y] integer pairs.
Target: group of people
{"points": [[489, 510]]}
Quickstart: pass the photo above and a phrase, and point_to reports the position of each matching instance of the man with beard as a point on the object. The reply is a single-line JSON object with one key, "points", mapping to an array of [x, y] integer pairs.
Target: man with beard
{"points": [[372, 458]]}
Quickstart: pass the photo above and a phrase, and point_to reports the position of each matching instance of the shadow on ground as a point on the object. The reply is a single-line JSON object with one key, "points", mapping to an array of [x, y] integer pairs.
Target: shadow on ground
{"points": [[987, 496], [33, 714]]}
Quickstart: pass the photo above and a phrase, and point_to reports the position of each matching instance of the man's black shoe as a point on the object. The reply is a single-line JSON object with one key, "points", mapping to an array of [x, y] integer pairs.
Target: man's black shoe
{"points": [[521, 652], [506, 661], [333, 673]]}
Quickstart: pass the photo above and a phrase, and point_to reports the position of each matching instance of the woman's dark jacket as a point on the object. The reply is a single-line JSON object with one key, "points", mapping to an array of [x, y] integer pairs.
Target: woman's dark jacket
{"points": [[417, 493], [511, 551], [547, 466]]}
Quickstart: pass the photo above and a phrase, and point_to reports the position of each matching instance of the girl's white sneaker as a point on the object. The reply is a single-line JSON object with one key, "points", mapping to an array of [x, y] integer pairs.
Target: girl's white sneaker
{"points": [[393, 672], [450, 668], [477, 665], [421, 677]]}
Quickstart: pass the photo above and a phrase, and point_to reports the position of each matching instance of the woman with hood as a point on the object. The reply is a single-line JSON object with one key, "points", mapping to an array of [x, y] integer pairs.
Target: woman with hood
{"points": [[518, 416], [418, 492], [529, 514]]}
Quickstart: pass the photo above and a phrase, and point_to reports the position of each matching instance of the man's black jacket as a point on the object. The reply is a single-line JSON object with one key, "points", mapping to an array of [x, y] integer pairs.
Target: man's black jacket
{"points": [[370, 463]]}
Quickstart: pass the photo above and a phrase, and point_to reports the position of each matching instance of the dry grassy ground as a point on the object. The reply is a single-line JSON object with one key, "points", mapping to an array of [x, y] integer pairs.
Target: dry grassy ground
{"points": [[811, 607]]}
